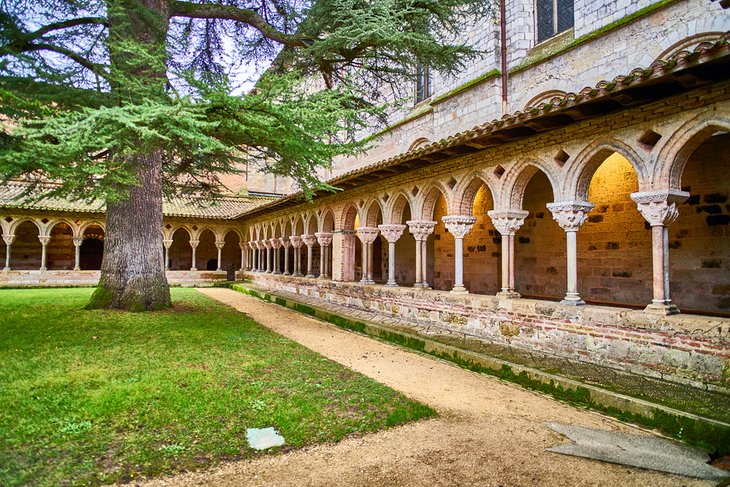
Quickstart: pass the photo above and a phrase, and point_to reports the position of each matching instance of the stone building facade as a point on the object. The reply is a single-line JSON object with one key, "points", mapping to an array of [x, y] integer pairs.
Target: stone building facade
{"points": [[588, 223]]}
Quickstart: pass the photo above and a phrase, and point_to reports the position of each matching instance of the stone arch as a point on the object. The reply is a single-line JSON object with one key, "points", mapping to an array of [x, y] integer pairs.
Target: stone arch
{"points": [[328, 221], [672, 157], [180, 253], [206, 253], [348, 217], [91, 252], [85, 225], [545, 96], [464, 193], [517, 179], [418, 143], [298, 225], [427, 202], [578, 177], [234, 230], [19, 221], [54, 222], [687, 44], [399, 201], [370, 212]]}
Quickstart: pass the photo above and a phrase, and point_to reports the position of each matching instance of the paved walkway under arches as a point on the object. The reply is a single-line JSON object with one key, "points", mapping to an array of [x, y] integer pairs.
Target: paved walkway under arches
{"points": [[488, 432]]}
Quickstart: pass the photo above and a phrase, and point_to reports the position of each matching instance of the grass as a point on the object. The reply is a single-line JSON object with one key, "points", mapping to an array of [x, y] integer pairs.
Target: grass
{"points": [[92, 397]]}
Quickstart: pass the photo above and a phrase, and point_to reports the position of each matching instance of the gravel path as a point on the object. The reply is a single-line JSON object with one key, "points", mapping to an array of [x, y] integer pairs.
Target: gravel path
{"points": [[489, 433]]}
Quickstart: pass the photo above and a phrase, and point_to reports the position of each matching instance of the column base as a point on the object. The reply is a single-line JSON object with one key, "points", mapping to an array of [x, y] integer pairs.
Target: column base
{"points": [[367, 281], [194, 269], [219, 270], [422, 285], [662, 309], [572, 301], [391, 284], [310, 276], [459, 290], [298, 274], [277, 273], [287, 273], [508, 294]]}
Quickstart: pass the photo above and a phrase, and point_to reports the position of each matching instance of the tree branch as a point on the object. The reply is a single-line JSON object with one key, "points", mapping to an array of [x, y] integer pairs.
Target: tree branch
{"points": [[30, 36], [227, 12], [93, 67]]}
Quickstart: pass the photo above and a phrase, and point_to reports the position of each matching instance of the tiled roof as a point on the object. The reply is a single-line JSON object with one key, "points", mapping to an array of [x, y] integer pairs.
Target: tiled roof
{"points": [[663, 78], [12, 196]]}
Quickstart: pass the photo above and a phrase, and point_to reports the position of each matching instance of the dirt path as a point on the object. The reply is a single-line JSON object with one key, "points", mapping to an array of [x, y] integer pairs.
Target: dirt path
{"points": [[488, 432]]}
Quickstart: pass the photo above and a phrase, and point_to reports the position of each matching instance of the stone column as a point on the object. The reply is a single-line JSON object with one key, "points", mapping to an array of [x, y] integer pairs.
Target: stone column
{"points": [[309, 241], [219, 245], [250, 264], [391, 233], [420, 231], [194, 245], [659, 208], [367, 236], [244, 264], [507, 222], [77, 252], [325, 240], [459, 226], [286, 243], [296, 243], [276, 245], [8, 247], [44, 239], [570, 215], [167, 242]]}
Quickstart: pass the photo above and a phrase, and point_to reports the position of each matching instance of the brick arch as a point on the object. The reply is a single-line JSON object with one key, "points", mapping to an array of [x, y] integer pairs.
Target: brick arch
{"points": [[427, 201], [370, 212], [517, 179], [394, 211], [673, 155], [578, 178], [347, 217], [465, 192], [688, 43], [328, 220], [418, 143]]}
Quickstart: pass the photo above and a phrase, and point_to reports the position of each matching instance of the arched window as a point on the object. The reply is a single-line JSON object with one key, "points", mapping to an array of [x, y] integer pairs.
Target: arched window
{"points": [[553, 17]]}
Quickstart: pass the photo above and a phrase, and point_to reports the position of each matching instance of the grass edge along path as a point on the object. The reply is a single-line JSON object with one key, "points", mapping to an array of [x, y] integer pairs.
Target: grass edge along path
{"points": [[708, 434], [95, 397]]}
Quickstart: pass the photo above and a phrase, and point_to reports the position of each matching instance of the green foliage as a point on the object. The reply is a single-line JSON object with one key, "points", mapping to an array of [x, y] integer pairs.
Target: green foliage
{"points": [[92, 397]]}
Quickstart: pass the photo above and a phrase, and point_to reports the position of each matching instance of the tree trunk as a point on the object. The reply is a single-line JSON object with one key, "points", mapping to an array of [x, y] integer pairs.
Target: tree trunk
{"points": [[132, 271]]}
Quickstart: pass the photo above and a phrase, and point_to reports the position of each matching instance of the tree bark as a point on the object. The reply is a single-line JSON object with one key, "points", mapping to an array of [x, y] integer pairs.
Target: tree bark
{"points": [[132, 271]]}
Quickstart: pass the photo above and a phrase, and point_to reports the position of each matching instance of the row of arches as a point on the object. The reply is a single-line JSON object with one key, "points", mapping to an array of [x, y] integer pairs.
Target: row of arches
{"points": [[39, 243], [535, 206]]}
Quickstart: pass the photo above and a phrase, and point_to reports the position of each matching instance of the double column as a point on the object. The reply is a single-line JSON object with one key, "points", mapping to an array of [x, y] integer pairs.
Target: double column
{"points": [[261, 256], [391, 233], [659, 208], [296, 243], [459, 226], [324, 239], [8, 248], [267, 245], [275, 246], [194, 246], [571, 215], [219, 244], [507, 222], [309, 241], [166, 242], [420, 231], [367, 236], [286, 244]]}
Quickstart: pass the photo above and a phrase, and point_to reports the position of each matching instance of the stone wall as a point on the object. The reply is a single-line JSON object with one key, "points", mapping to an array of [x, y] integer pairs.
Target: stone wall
{"points": [[682, 348], [16, 278]]}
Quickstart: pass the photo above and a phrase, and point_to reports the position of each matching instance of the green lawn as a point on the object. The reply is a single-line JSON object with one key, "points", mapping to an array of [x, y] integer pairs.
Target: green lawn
{"points": [[90, 397]]}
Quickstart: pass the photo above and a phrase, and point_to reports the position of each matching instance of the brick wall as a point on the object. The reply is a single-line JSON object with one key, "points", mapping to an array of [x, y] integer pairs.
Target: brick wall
{"points": [[699, 240], [60, 251], [26, 249]]}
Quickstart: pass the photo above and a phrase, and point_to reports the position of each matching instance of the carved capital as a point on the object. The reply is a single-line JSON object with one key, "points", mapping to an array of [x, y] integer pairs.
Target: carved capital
{"points": [[324, 238], [459, 225], [219, 244], [367, 235], [309, 240], [392, 232], [242, 245], [570, 215], [266, 244], [275, 243], [251, 245], [79, 240], [167, 242], [659, 208], [296, 241], [285, 242], [194, 243], [44, 239], [421, 229], [507, 222]]}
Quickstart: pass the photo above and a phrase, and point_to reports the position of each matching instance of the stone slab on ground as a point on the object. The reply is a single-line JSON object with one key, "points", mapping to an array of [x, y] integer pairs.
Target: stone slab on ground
{"points": [[263, 438], [636, 451]]}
